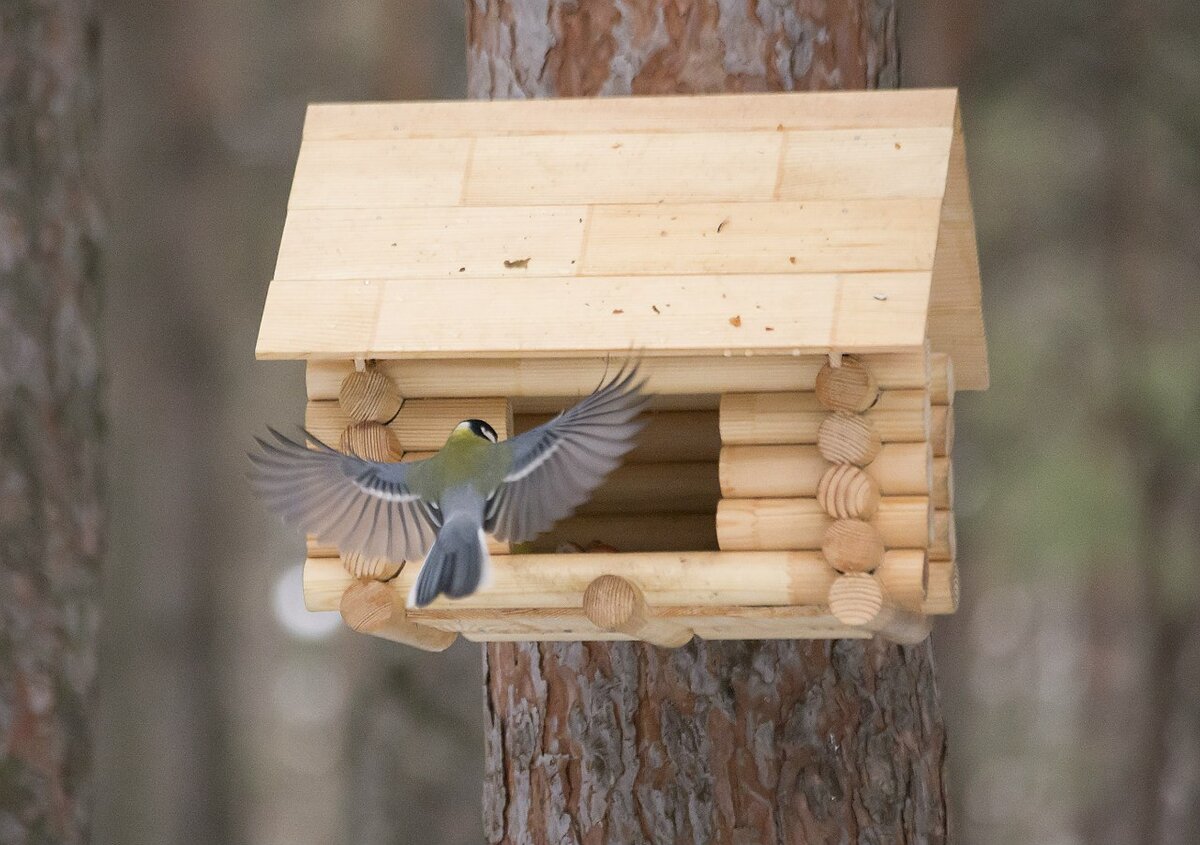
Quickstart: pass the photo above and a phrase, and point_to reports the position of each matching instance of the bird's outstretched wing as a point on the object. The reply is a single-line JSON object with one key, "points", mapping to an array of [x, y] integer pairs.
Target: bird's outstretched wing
{"points": [[357, 505], [557, 465]]}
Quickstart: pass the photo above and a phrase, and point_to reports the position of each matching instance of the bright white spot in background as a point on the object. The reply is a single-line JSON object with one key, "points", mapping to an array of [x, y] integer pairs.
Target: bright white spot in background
{"points": [[288, 601]]}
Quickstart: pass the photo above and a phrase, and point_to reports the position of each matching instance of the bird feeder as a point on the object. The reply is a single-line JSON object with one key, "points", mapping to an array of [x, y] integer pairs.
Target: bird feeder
{"points": [[797, 273]]}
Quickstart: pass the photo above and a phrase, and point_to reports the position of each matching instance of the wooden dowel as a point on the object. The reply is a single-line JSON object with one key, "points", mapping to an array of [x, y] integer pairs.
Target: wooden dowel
{"points": [[850, 386], [941, 379], [567, 377], [848, 439], [370, 440], [945, 541], [901, 522], [943, 484], [748, 472], [372, 607], [614, 604], [941, 434], [702, 579], [942, 595], [905, 577], [900, 416], [860, 600], [852, 545], [846, 492], [421, 424], [633, 532], [657, 488], [669, 436], [369, 396], [318, 549]]}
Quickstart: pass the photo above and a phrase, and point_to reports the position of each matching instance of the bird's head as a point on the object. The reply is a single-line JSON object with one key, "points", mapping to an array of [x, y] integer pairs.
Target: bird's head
{"points": [[477, 428]]}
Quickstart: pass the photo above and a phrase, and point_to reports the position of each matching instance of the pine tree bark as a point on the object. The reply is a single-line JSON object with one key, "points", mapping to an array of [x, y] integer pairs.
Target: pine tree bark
{"points": [[50, 516], [716, 743]]}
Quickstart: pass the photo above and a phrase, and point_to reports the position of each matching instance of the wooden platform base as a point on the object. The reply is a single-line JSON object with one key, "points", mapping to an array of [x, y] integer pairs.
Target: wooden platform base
{"points": [[663, 598]]}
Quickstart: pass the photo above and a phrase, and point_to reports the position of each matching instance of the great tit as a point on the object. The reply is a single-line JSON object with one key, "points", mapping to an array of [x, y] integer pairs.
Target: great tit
{"points": [[441, 507]]}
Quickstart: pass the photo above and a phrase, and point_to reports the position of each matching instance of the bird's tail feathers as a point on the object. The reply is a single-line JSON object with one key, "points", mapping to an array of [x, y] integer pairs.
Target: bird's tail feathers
{"points": [[457, 565]]}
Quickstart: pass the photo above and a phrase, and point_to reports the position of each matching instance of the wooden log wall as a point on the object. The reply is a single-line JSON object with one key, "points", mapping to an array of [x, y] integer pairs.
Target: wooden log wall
{"points": [[857, 471], [799, 489]]}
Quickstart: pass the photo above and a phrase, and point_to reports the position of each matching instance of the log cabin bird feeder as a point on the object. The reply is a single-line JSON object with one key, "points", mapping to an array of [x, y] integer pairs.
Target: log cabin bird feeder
{"points": [[798, 273]]}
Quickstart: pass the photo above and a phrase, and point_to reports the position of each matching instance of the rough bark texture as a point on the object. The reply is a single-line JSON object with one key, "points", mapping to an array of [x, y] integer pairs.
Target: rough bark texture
{"points": [[734, 743], [50, 523]]}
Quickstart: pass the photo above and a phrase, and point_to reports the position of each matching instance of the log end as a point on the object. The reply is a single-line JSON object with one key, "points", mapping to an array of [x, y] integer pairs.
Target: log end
{"points": [[851, 545], [369, 396], [850, 387]]}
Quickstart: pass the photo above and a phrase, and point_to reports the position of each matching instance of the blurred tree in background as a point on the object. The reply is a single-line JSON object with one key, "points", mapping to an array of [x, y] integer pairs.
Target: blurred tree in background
{"points": [[1076, 661], [1071, 676], [50, 421]]}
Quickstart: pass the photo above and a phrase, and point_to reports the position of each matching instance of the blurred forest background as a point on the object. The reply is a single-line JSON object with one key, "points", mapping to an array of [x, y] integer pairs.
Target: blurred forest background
{"points": [[1071, 677]]}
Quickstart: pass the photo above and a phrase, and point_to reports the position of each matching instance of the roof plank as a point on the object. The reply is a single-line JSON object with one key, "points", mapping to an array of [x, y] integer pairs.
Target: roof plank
{"points": [[567, 317], [677, 114], [609, 240]]}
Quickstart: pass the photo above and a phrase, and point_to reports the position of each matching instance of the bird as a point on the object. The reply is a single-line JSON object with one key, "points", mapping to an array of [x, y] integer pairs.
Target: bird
{"points": [[442, 507]]}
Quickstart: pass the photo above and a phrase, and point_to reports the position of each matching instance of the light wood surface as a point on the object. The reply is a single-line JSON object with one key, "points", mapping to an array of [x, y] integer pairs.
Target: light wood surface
{"points": [[859, 599], [848, 439], [943, 593], [945, 541], [943, 484], [942, 430], [817, 110], [368, 240], [941, 379], [899, 416], [852, 545], [571, 378], [421, 425], [748, 472], [700, 579], [371, 607], [377, 316], [955, 309], [369, 440], [845, 491], [389, 198], [315, 548], [901, 522], [614, 604], [369, 396], [849, 386]]}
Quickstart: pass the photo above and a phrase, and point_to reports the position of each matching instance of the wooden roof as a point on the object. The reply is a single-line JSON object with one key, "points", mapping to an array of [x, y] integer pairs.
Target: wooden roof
{"points": [[762, 223]]}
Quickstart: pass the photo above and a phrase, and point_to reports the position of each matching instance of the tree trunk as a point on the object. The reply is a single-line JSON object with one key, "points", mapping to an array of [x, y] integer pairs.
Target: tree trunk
{"points": [[50, 516], [716, 743]]}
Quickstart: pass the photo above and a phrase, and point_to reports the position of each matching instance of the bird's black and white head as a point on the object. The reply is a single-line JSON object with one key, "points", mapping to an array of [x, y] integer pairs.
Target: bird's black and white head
{"points": [[478, 428]]}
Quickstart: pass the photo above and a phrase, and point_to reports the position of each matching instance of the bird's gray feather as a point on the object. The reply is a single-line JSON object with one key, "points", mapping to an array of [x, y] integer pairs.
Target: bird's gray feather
{"points": [[558, 465], [358, 505]]}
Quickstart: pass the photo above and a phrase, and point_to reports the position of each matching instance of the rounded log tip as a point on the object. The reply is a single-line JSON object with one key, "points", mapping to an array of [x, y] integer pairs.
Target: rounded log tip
{"points": [[374, 568], [846, 492], [851, 545], [611, 602], [369, 396], [850, 387], [844, 438], [855, 599], [369, 440], [366, 605]]}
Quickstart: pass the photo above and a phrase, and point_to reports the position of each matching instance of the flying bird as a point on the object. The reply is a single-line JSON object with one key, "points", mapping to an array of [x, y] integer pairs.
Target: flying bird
{"points": [[440, 508]]}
